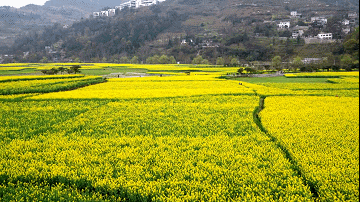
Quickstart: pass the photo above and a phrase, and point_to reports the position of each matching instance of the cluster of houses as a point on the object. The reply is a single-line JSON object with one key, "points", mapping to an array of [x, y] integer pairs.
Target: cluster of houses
{"points": [[320, 21], [130, 4]]}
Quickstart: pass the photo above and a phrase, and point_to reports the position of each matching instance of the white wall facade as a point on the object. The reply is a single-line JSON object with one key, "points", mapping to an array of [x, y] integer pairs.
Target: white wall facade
{"points": [[325, 36], [284, 25]]}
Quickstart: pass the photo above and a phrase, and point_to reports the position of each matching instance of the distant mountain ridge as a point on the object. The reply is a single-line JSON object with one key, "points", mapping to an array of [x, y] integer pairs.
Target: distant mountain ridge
{"points": [[31, 18], [88, 5]]}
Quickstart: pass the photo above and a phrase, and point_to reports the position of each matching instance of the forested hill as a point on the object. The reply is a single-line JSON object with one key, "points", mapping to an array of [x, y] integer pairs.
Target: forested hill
{"points": [[103, 36], [30, 18], [183, 29]]}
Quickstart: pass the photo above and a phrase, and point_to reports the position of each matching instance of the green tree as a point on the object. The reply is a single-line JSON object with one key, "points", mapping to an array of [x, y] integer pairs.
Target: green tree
{"points": [[205, 62], [250, 70], [61, 69], [351, 45], [44, 60], [163, 59], [297, 63], [276, 63], [234, 62], [172, 60], [220, 61], [134, 60], [124, 60], [103, 59], [240, 70], [346, 62], [75, 69], [197, 60], [149, 60], [53, 71], [77, 60], [114, 59], [153, 60]]}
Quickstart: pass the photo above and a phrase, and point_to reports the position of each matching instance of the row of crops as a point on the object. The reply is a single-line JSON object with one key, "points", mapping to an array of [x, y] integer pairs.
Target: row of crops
{"points": [[17, 85], [180, 138]]}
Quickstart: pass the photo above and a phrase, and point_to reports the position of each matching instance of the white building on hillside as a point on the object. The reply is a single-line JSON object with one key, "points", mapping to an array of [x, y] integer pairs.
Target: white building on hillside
{"points": [[111, 12], [284, 25], [346, 22], [138, 3], [104, 13], [297, 33], [96, 14], [323, 20], [323, 35], [352, 15], [129, 4], [311, 60], [295, 14]]}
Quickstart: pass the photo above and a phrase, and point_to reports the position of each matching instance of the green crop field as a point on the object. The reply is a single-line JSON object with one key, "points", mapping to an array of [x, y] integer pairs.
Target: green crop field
{"points": [[178, 137]]}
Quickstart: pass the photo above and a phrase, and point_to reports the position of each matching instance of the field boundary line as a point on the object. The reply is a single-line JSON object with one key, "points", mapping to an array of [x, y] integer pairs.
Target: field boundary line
{"points": [[294, 165]]}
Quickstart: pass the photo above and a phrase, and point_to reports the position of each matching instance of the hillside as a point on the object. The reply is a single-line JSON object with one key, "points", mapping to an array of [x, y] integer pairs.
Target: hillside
{"points": [[30, 18], [245, 30]]}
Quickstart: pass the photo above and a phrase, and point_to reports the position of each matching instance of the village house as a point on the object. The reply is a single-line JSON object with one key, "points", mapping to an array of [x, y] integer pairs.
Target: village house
{"points": [[283, 25], [295, 14], [321, 20], [111, 12], [184, 41], [104, 13], [352, 15], [297, 33], [96, 14], [48, 49], [129, 4], [311, 60], [323, 35], [26, 54], [345, 22]]}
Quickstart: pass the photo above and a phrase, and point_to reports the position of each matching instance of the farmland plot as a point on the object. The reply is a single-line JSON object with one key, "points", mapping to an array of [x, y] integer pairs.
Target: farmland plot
{"points": [[203, 148], [322, 134]]}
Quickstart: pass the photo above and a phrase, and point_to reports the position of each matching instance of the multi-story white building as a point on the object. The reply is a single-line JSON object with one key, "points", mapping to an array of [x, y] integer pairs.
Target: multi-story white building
{"points": [[346, 22], [104, 13], [297, 33], [129, 4], [295, 14], [96, 14], [284, 25], [323, 20], [311, 60], [138, 3], [111, 12], [323, 35], [352, 15]]}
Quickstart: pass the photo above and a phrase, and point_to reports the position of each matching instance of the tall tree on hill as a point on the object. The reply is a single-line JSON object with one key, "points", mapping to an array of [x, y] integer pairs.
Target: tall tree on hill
{"points": [[276, 63]]}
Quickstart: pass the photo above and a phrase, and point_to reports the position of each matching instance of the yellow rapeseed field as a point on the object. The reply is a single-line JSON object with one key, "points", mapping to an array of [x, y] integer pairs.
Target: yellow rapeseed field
{"points": [[151, 87], [322, 133], [165, 149], [178, 138]]}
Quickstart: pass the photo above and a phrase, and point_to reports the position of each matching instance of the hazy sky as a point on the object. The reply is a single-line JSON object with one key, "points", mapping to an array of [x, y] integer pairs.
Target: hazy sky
{"points": [[20, 3]]}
